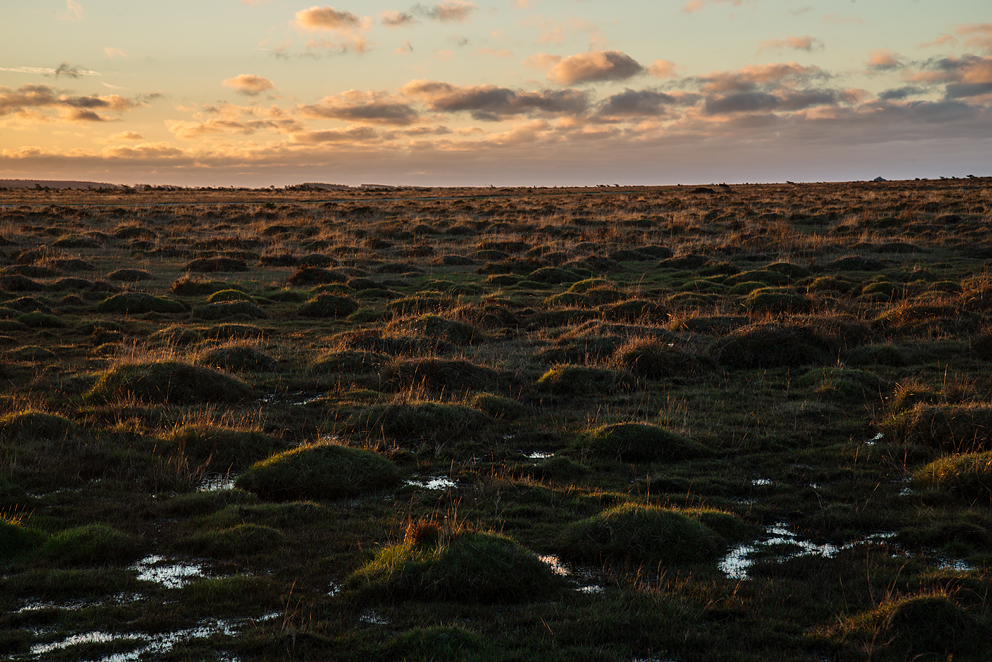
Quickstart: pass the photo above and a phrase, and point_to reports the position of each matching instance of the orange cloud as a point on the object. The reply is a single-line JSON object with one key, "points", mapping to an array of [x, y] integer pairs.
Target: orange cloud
{"points": [[662, 69], [449, 11], [805, 43], [249, 84], [350, 29], [363, 108], [594, 67], [882, 59], [751, 76]]}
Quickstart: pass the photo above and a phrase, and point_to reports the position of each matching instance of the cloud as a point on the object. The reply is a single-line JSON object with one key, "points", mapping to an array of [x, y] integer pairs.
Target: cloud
{"points": [[502, 52], [882, 59], [489, 103], [594, 67], [637, 103], [900, 93], [805, 43], [449, 11], [404, 49], [348, 136], [72, 108], [363, 108], [964, 77], [230, 118], [978, 35], [555, 32], [662, 69], [66, 69], [752, 76], [74, 11], [126, 135], [350, 29], [542, 61], [755, 101], [395, 19], [693, 6], [112, 52], [249, 84]]}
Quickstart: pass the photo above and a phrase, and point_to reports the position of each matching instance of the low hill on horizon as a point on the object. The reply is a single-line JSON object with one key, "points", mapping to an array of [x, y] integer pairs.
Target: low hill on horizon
{"points": [[45, 183]]}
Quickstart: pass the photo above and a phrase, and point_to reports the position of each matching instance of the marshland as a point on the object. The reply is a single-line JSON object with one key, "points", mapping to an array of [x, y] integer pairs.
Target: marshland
{"points": [[748, 422]]}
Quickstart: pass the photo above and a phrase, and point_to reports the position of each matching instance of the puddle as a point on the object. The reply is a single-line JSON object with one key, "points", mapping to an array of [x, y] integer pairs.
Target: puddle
{"points": [[761, 482], [539, 455], [149, 644], [76, 605], [371, 617], [740, 558], [585, 580], [216, 483], [433, 483], [874, 440], [296, 398], [170, 575], [334, 589]]}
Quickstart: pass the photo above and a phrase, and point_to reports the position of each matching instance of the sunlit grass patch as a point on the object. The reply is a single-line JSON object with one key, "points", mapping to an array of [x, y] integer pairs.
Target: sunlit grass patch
{"points": [[639, 442], [966, 475], [167, 381], [965, 428]]}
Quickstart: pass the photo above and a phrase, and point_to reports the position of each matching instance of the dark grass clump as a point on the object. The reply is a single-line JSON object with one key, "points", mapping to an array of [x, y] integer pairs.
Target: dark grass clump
{"points": [[775, 300], [319, 471], [967, 476], [582, 380], [327, 306], [95, 544], [928, 627], [136, 303], [221, 448], [372, 340], [637, 534], [884, 355], [965, 428], [440, 375], [168, 381], [316, 276], [31, 425], [654, 359], [234, 332], [214, 264], [238, 358], [194, 287], [463, 566], [18, 543], [350, 362], [499, 407], [443, 644], [640, 442], [773, 346], [130, 275], [580, 349], [635, 310], [40, 320], [844, 385], [230, 295], [227, 310], [238, 541], [425, 420]]}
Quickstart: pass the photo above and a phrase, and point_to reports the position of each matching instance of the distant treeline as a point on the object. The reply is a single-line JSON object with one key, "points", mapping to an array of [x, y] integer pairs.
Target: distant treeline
{"points": [[43, 183]]}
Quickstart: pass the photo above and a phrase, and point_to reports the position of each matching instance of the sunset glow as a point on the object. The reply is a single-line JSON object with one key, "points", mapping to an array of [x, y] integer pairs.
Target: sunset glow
{"points": [[510, 92]]}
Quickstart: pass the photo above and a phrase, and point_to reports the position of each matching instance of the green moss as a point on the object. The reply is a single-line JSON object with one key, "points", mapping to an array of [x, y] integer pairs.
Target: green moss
{"points": [[639, 442], [39, 320], [655, 359], [35, 425], [194, 287], [642, 311], [328, 305], [931, 627], [465, 566], [18, 543], [168, 381], [230, 295], [435, 326], [640, 534], [318, 471]]}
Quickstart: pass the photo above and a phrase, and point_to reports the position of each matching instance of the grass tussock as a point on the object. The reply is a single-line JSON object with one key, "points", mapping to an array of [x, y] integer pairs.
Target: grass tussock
{"points": [[965, 428], [167, 381], [639, 442], [966, 475]]}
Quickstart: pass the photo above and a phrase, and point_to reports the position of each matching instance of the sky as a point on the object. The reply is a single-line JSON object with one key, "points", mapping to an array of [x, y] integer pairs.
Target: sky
{"points": [[504, 93]]}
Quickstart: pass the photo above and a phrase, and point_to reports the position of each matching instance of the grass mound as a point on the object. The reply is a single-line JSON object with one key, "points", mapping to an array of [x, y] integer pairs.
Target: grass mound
{"points": [[316, 276], [130, 275], [844, 385], [35, 425], [639, 442], [440, 375], [435, 326], [226, 310], [499, 407], [773, 346], [654, 359], [318, 471], [635, 310], [229, 295], [95, 544], [639, 534], [963, 428], [328, 305], [168, 381], [213, 264], [194, 287], [136, 303], [442, 644], [582, 380], [968, 475], [464, 567], [350, 361], [775, 300], [224, 448], [237, 358], [241, 540], [425, 420], [17, 542], [931, 627]]}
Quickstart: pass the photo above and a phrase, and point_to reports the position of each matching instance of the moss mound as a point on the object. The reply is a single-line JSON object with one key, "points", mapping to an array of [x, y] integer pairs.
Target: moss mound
{"points": [[40, 320], [554, 276], [226, 310], [230, 295], [241, 540], [27, 425], [316, 276], [238, 359], [465, 567], [95, 544], [440, 375], [499, 407], [845, 385], [168, 381], [212, 264], [426, 420], [350, 361], [639, 442], [328, 305], [224, 448], [17, 542], [773, 346], [582, 380], [955, 428], [435, 326], [775, 300], [130, 275], [968, 475], [194, 287], [137, 303], [318, 471], [639, 534], [635, 310]]}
